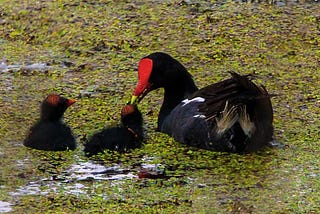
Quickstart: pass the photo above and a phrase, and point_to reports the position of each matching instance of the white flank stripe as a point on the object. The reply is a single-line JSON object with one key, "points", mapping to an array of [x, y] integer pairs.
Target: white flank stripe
{"points": [[199, 116], [196, 99]]}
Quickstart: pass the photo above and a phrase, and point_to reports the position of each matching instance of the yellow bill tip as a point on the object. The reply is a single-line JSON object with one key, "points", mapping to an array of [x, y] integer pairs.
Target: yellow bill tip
{"points": [[133, 99]]}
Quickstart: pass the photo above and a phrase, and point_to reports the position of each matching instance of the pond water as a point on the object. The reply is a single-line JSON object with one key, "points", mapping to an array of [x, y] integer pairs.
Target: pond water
{"points": [[73, 180], [4, 67], [70, 181]]}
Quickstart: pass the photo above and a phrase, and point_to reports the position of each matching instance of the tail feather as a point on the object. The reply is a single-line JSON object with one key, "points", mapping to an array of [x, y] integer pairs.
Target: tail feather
{"points": [[241, 112], [229, 117], [245, 122]]}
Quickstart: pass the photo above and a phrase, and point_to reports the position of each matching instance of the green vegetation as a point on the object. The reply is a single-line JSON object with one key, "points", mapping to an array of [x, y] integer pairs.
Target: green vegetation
{"points": [[92, 49]]}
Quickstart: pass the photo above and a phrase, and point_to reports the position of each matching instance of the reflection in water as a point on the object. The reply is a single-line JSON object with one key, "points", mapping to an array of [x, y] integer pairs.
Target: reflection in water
{"points": [[89, 170], [70, 181]]}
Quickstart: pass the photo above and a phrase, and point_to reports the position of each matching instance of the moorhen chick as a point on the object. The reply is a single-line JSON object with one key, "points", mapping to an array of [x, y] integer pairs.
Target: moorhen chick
{"points": [[127, 136], [50, 133], [234, 115]]}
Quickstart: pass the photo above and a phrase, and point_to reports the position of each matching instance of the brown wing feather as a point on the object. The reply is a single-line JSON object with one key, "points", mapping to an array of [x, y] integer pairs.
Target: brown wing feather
{"points": [[237, 90]]}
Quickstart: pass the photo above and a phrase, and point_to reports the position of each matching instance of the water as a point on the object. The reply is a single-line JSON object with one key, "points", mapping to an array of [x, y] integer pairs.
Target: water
{"points": [[4, 67], [5, 207], [73, 180], [93, 171]]}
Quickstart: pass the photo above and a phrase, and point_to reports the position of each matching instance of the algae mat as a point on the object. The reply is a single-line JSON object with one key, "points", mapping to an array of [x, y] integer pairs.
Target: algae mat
{"points": [[89, 51]]}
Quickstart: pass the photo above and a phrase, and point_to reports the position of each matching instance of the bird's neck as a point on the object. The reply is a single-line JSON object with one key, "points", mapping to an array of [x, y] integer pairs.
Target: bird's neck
{"points": [[49, 116], [174, 93], [50, 119]]}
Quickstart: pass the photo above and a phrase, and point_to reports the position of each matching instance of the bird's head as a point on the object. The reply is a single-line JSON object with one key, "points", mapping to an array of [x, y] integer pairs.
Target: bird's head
{"points": [[155, 71], [54, 106]]}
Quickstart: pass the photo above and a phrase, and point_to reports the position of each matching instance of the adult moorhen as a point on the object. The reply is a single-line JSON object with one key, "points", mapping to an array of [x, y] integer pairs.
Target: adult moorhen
{"points": [[50, 132], [123, 138], [234, 115]]}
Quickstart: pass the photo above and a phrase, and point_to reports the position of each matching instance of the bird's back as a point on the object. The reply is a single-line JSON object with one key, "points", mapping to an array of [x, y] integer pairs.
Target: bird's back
{"points": [[50, 136], [186, 124], [234, 115]]}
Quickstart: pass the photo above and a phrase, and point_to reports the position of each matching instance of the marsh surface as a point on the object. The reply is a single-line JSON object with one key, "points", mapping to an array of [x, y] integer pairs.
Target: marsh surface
{"points": [[90, 50]]}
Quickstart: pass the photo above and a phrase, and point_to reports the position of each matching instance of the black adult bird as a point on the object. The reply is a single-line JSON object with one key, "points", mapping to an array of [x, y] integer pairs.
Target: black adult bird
{"points": [[50, 133], [123, 138], [234, 115]]}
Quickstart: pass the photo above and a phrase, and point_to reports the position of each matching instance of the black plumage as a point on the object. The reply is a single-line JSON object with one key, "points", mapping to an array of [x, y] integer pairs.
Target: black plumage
{"points": [[50, 132], [127, 136], [234, 115]]}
